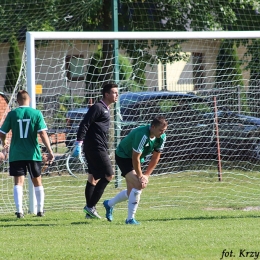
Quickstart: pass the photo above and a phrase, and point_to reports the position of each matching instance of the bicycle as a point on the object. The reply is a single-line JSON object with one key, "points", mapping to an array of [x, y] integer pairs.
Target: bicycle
{"points": [[63, 162], [72, 161]]}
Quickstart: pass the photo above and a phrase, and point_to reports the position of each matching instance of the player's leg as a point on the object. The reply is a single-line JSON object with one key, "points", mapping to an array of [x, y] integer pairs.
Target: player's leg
{"points": [[109, 204], [134, 190], [125, 165], [98, 191], [18, 171], [34, 168], [18, 195], [101, 169], [120, 197], [134, 187], [90, 186]]}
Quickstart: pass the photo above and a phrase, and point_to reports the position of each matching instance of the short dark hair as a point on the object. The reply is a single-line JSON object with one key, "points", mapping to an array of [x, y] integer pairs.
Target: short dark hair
{"points": [[159, 120], [22, 95], [107, 88]]}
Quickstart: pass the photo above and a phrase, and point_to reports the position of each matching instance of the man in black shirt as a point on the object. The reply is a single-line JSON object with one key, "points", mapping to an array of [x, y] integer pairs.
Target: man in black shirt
{"points": [[94, 129]]}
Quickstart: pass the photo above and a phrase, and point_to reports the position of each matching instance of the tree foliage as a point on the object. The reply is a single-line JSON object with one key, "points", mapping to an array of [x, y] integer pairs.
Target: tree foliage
{"points": [[228, 74], [94, 70], [19, 16], [13, 65], [139, 15], [253, 55], [228, 68]]}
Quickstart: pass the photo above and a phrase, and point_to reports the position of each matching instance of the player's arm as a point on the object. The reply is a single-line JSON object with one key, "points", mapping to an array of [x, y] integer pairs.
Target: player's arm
{"points": [[84, 125], [3, 138], [45, 139], [137, 167], [5, 128], [155, 156], [3, 153], [138, 146], [153, 162]]}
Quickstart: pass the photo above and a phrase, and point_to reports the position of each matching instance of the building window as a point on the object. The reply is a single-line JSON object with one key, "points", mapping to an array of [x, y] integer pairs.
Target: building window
{"points": [[198, 71], [75, 67]]}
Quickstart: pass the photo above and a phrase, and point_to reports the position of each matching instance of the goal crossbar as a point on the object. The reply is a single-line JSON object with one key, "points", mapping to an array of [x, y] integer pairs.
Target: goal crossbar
{"points": [[143, 35], [31, 37]]}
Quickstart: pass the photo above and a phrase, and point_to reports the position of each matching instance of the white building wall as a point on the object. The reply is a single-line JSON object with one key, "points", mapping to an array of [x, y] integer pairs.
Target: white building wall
{"points": [[50, 66]]}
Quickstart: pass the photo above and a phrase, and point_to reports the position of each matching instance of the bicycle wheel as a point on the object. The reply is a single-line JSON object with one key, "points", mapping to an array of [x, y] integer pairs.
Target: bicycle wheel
{"points": [[76, 166]]}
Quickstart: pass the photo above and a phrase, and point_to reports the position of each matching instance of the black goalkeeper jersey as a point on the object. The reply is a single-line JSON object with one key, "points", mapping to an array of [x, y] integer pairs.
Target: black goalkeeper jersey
{"points": [[94, 127]]}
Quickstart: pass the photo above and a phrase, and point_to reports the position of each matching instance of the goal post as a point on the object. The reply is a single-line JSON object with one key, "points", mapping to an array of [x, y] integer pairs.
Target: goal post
{"points": [[31, 37], [176, 74]]}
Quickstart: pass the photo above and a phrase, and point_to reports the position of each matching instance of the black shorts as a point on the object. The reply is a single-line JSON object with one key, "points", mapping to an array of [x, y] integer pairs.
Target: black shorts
{"points": [[20, 168], [124, 164], [99, 163]]}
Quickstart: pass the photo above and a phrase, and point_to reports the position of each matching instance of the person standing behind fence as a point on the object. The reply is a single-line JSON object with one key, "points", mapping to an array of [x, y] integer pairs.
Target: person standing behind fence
{"points": [[94, 130], [25, 154]]}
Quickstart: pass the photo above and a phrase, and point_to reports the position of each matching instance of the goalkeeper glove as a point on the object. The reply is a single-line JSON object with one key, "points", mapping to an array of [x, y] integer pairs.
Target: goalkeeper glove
{"points": [[77, 149]]}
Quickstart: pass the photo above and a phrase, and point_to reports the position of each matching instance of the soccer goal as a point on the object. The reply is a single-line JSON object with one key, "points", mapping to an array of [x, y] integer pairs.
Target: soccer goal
{"points": [[205, 85]]}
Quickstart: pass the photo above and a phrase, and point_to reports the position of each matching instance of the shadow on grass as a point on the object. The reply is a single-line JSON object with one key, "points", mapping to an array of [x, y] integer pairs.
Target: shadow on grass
{"points": [[88, 221], [35, 221], [23, 223], [202, 218], [27, 225]]}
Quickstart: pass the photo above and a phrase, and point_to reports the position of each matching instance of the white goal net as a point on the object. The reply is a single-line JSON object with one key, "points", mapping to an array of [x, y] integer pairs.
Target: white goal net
{"points": [[202, 82]]}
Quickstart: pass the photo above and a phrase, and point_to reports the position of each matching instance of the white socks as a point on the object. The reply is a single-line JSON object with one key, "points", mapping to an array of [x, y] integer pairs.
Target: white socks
{"points": [[133, 202], [121, 196], [18, 198], [134, 198], [39, 193]]}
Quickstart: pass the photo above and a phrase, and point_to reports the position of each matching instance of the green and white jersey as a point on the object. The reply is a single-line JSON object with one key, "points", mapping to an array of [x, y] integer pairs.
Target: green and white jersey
{"points": [[139, 140], [25, 123]]}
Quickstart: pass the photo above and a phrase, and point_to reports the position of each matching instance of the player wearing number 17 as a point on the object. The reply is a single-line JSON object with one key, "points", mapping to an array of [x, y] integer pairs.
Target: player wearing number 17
{"points": [[25, 154]]}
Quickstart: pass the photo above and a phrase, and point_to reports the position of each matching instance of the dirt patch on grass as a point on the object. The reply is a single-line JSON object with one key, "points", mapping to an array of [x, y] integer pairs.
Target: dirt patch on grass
{"points": [[218, 208], [248, 208]]}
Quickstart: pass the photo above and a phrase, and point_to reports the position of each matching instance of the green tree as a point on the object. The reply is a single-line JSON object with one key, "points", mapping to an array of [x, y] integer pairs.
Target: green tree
{"points": [[20, 16], [253, 65], [94, 71], [228, 71], [139, 15], [13, 65], [228, 74]]}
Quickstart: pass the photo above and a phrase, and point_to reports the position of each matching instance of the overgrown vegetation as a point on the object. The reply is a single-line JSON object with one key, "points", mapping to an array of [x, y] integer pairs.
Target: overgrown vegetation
{"points": [[13, 65]]}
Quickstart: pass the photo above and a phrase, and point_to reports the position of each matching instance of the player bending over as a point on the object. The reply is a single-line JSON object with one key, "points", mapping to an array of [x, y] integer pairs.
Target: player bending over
{"points": [[130, 153]]}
